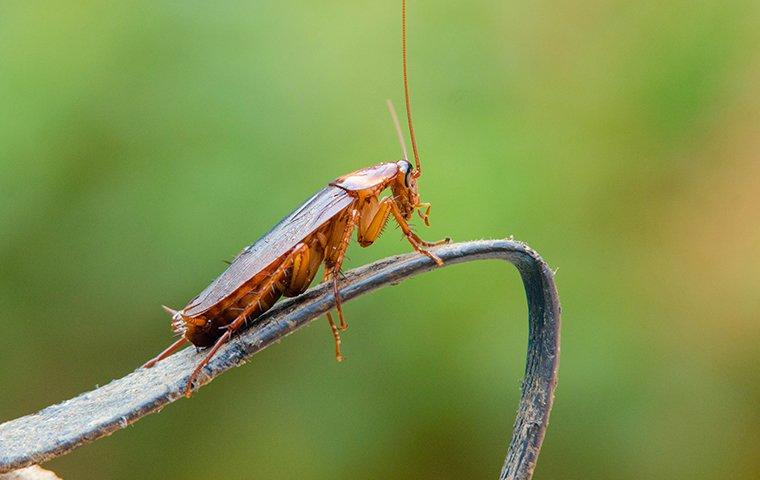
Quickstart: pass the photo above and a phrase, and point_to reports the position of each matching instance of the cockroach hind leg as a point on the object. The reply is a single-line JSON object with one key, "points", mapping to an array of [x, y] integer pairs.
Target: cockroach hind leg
{"points": [[199, 368], [188, 391], [189, 388], [169, 350]]}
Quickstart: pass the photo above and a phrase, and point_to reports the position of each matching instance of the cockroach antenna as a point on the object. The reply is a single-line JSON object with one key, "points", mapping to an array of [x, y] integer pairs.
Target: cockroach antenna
{"points": [[418, 171], [398, 129]]}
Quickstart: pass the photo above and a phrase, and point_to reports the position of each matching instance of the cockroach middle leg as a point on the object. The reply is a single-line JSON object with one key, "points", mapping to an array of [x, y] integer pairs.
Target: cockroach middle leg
{"points": [[337, 262], [240, 320], [333, 263], [331, 322]]}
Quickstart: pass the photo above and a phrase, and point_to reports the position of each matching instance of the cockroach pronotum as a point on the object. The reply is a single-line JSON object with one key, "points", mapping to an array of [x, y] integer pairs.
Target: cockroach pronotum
{"points": [[286, 260]]}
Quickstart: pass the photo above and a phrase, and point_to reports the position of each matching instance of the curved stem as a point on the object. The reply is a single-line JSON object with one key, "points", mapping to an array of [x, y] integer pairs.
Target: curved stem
{"points": [[58, 429]]}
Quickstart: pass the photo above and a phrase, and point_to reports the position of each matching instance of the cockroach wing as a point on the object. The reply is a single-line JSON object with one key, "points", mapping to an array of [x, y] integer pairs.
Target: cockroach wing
{"points": [[317, 210], [367, 178]]}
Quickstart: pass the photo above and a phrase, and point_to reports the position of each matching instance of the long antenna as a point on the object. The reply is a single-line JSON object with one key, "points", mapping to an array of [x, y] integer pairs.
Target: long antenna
{"points": [[398, 129], [418, 171]]}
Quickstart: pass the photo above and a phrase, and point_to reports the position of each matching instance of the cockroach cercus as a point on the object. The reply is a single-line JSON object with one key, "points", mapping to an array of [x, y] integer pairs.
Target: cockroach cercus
{"points": [[286, 260]]}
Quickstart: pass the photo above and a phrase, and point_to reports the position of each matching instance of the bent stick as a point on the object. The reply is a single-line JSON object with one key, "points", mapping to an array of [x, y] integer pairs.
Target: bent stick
{"points": [[58, 429]]}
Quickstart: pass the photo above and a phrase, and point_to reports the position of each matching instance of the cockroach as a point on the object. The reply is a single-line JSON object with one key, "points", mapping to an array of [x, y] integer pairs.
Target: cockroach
{"points": [[285, 261]]}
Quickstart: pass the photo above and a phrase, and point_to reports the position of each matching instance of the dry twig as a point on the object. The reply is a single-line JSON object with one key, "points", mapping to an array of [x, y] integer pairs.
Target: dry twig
{"points": [[58, 429]]}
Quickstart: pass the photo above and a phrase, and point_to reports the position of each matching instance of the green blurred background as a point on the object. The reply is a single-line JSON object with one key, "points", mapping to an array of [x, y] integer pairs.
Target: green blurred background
{"points": [[142, 143]]}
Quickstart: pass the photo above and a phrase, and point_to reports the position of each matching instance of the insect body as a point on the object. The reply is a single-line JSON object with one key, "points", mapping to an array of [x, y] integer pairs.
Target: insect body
{"points": [[285, 260]]}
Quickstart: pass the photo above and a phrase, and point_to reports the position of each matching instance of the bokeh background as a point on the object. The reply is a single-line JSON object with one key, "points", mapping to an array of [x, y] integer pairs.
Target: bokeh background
{"points": [[142, 143]]}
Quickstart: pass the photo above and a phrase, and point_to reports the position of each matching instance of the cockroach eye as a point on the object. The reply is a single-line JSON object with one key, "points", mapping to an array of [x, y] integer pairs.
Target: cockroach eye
{"points": [[407, 169]]}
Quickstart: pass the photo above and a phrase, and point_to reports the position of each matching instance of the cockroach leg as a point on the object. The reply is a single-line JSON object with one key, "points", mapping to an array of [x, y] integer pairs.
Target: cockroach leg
{"points": [[221, 341], [374, 217], [336, 336], [277, 276], [432, 256], [338, 305], [431, 244], [333, 262], [338, 263], [416, 242], [305, 266], [378, 214], [333, 328], [424, 216], [169, 350], [421, 242]]}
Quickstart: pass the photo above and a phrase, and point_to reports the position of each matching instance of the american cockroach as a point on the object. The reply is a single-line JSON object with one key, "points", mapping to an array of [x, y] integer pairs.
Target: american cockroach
{"points": [[286, 260]]}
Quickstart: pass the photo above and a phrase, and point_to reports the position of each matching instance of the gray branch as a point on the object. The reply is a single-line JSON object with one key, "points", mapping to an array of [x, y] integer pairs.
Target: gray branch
{"points": [[58, 429]]}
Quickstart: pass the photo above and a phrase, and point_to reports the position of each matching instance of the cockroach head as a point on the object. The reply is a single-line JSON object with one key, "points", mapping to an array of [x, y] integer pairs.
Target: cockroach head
{"points": [[404, 188]]}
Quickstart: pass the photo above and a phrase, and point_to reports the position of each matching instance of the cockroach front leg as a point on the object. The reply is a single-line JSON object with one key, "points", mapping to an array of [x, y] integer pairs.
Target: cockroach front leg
{"points": [[239, 321], [374, 218], [416, 242], [424, 216]]}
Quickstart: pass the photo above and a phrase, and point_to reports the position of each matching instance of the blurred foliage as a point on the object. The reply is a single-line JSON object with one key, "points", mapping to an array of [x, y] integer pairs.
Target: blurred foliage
{"points": [[142, 143]]}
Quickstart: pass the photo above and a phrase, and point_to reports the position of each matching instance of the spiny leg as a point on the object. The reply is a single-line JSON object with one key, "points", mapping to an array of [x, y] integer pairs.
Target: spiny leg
{"points": [[374, 216], [239, 321], [416, 242], [370, 230], [410, 233]]}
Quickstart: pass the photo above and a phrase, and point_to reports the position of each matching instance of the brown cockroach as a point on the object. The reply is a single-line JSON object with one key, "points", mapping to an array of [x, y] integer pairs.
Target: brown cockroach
{"points": [[286, 260]]}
